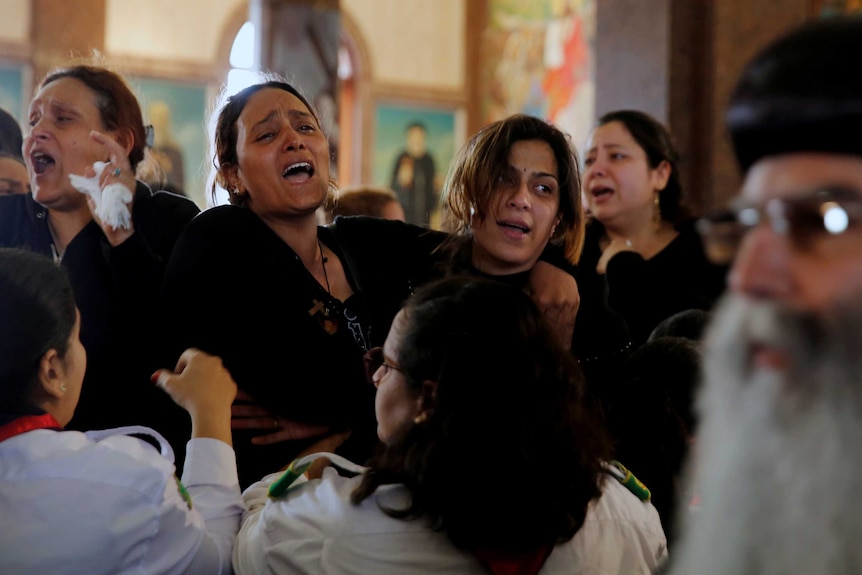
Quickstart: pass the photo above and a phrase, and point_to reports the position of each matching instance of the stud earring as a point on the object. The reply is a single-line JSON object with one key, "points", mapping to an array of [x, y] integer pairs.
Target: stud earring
{"points": [[421, 418], [63, 387]]}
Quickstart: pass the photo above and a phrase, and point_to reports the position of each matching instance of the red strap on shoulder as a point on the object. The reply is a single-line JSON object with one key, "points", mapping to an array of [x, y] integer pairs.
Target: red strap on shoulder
{"points": [[27, 423]]}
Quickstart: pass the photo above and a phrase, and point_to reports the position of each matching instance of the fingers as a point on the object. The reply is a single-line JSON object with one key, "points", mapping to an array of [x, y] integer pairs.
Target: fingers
{"points": [[289, 431], [119, 168], [244, 410], [253, 423], [185, 358], [115, 150], [161, 376], [199, 380], [257, 423]]}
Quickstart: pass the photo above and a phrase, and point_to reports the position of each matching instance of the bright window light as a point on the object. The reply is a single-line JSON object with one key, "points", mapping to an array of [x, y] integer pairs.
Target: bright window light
{"points": [[238, 79], [242, 51]]}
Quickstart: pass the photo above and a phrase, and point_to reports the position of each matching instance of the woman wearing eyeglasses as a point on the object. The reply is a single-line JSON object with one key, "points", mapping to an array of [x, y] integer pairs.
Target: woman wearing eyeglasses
{"points": [[640, 234], [491, 463]]}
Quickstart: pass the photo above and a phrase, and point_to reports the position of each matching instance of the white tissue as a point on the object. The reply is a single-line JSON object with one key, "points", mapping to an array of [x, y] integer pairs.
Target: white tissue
{"points": [[112, 203]]}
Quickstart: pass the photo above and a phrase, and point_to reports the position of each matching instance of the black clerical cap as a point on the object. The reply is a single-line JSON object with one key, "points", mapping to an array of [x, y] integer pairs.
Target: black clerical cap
{"points": [[802, 93]]}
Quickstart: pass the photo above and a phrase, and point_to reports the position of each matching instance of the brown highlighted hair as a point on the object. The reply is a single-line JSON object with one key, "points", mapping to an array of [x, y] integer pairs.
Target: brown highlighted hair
{"points": [[118, 107], [470, 182]]}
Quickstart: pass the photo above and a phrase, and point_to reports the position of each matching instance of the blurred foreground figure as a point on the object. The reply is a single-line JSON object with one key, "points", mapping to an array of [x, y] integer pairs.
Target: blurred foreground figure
{"points": [[776, 468]]}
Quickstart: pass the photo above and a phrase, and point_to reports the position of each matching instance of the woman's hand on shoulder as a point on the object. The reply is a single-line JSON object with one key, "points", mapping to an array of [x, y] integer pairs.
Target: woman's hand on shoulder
{"points": [[555, 293]]}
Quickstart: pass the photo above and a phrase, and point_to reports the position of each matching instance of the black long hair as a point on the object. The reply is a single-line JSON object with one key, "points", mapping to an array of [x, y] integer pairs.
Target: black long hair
{"points": [[510, 455], [656, 141], [37, 313]]}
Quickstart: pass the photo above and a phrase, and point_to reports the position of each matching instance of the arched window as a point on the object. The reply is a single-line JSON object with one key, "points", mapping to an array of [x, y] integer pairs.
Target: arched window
{"points": [[242, 72]]}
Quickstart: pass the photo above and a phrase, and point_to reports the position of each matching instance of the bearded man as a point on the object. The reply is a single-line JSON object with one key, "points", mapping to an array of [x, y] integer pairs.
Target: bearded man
{"points": [[778, 463]]}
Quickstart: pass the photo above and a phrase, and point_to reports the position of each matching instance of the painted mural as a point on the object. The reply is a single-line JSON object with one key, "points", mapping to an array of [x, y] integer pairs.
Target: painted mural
{"points": [[541, 62]]}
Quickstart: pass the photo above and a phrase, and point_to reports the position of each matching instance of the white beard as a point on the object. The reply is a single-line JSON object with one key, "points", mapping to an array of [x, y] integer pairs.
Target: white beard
{"points": [[778, 462]]}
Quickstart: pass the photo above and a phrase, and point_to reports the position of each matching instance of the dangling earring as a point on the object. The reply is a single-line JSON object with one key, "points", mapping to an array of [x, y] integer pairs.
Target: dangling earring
{"points": [[656, 212]]}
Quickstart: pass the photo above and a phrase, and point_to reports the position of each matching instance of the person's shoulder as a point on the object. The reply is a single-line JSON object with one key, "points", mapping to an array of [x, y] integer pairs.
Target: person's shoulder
{"points": [[176, 201], [365, 223], [348, 228], [215, 219], [621, 534], [328, 499], [122, 461], [90, 495], [619, 503], [320, 504], [162, 207], [320, 513]]}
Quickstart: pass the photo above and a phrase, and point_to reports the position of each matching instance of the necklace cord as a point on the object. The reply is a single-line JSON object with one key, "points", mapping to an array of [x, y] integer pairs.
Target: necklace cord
{"points": [[323, 260]]}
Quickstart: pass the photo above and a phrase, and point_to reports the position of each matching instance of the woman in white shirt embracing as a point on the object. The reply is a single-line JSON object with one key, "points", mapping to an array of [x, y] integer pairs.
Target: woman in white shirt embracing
{"points": [[492, 460]]}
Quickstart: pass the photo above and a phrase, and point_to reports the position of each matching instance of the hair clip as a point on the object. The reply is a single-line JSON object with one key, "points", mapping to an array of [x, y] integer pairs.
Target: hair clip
{"points": [[151, 135]]}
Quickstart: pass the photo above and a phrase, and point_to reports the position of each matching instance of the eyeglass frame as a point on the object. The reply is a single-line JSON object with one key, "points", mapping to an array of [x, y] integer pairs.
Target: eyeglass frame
{"points": [[778, 213], [368, 358]]}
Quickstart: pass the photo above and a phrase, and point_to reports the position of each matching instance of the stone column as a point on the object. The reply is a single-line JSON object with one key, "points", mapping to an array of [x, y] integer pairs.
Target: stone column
{"points": [[678, 60]]}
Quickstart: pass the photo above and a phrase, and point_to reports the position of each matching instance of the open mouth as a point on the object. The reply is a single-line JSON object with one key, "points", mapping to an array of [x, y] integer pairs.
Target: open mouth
{"points": [[769, 357], [40, 162], [298, 172], [515, 226], [601, 192]]}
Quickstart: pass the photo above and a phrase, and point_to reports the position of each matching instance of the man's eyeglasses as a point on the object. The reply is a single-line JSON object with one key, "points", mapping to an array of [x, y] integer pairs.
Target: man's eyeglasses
{"points": [[826, 213], [374, 360]]}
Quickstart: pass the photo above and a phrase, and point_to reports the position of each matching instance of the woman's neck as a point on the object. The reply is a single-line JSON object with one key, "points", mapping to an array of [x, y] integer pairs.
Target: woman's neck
{"points": [[300, 233], [647, 237], [65, 225]]}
